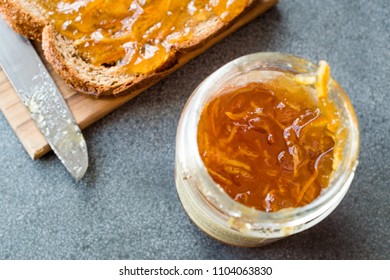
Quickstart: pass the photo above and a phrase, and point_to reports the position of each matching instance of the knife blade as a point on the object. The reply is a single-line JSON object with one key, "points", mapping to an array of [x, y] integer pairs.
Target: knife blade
{"points": [[40, 95]]}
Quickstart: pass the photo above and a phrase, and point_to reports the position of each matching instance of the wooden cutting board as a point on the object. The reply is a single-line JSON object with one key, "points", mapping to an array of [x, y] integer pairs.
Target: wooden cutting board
{"points": [[87, 110]]}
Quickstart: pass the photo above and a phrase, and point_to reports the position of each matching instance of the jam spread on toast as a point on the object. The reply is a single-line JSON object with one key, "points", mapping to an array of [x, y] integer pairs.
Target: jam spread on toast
{"points": [[138, 35]]}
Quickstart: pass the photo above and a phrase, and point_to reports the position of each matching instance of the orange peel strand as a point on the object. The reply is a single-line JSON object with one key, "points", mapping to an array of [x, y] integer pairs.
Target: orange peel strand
{"points": [[322, 79]]}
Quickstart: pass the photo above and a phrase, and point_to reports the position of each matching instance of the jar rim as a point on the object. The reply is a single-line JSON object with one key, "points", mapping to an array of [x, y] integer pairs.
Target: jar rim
{"points": [[214, 193]]}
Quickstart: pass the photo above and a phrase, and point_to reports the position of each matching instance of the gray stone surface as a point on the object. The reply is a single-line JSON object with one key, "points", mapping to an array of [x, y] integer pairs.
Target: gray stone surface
{"points": [[126, 207]]}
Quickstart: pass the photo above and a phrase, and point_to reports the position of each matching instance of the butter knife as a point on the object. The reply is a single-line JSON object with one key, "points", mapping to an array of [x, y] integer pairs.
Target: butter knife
{"points": [[40, 95]]}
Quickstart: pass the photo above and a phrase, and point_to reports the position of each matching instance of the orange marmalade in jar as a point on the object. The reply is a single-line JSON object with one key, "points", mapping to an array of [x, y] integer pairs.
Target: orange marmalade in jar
{"points": [[270, 144], [266, 147]]}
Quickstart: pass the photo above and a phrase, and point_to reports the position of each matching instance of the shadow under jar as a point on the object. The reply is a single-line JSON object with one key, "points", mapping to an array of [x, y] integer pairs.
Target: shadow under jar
{"points": [[208, 204]]}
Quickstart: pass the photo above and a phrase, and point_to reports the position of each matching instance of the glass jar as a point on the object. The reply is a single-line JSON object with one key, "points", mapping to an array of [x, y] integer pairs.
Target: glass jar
{"points": [[210, 207]]}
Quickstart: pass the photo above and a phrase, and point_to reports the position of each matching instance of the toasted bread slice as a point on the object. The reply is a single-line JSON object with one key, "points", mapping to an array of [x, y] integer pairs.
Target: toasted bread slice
{"points": [[30, 20]]}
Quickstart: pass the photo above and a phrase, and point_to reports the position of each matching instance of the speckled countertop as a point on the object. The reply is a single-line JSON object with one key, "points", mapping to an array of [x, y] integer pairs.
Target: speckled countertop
{"points": [[126, 206]]}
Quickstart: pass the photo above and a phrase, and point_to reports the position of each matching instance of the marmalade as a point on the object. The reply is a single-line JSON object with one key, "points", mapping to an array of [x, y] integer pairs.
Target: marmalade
{"points": [[138, 36], [270, 144]]}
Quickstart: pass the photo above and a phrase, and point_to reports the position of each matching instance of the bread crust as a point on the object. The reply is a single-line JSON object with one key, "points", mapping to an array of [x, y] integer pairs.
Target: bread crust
{"points": [[94, 80], [24, 21]]}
